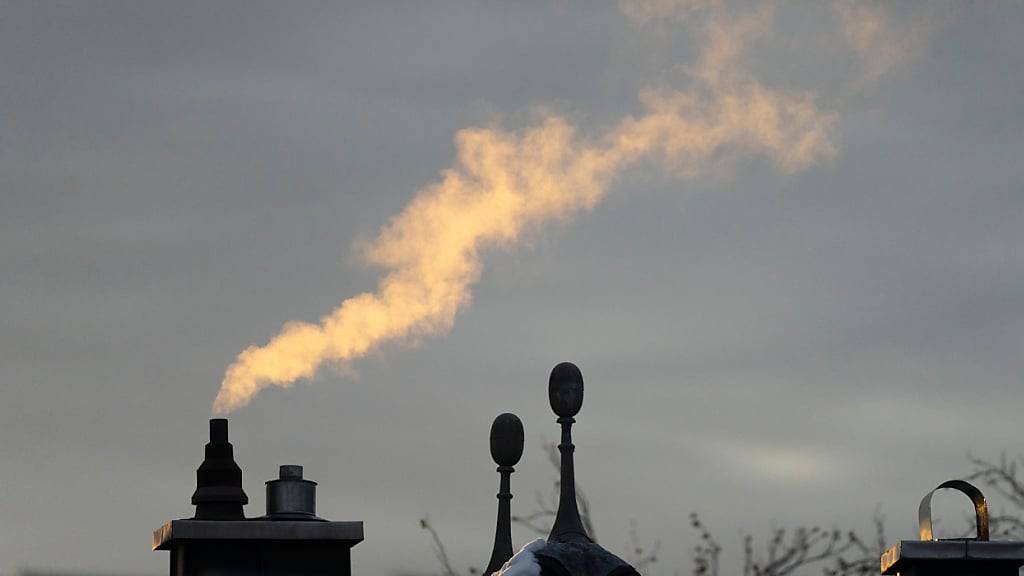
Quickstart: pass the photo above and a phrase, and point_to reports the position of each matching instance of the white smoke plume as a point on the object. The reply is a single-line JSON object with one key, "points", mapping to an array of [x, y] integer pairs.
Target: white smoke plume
{"points": [[505, 184]]}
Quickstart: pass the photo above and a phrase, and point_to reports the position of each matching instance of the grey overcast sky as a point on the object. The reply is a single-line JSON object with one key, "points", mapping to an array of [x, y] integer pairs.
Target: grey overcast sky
{"points": [[767, 347]]}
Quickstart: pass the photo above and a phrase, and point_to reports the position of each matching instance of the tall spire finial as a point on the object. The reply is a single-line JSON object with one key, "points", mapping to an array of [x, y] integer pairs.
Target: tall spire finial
{"points": [[565, 392], [506, 449]]}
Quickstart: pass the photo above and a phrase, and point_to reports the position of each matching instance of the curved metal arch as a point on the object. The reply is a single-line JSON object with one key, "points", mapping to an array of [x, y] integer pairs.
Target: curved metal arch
{"points": [[924, 511]]}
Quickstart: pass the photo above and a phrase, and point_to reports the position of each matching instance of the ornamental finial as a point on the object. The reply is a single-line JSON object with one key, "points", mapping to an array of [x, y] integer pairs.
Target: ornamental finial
{"points": [[565, 392], [506, 449]]}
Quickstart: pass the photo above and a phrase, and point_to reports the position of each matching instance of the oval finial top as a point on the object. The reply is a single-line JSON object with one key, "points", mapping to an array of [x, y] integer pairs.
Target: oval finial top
{"points": [[507, 440], [565, 390]]}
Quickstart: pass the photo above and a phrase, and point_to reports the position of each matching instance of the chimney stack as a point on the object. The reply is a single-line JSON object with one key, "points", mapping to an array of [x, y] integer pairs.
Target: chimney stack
{"points": [[290, 540], [219, 494]]}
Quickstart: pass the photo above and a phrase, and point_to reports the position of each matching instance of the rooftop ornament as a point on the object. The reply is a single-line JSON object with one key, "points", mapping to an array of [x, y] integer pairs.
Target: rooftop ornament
{"points": [[569, 550], [506, 450], [565, 392]]}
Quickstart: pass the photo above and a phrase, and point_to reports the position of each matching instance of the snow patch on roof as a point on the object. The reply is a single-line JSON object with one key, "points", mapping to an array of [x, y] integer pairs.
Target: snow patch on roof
{"points": [[524, 563]]}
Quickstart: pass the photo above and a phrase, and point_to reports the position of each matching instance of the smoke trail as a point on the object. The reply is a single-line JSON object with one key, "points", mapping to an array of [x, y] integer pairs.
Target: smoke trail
{"points": [[881, 41], [645, 11], [504, 184]]}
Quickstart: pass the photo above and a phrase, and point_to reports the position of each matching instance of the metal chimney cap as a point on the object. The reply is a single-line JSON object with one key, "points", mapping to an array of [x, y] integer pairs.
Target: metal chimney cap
{"points": [[565, 390], [290, 472], [507, 440], [290, 496]]}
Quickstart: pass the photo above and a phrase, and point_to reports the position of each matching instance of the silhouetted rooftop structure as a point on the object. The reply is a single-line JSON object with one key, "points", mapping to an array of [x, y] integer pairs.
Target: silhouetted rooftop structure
{"points": [[506, 450], [976, 556], [290, 539], [569, 550]]}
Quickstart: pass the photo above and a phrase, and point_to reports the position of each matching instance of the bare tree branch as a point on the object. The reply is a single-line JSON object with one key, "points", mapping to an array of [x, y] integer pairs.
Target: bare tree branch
{"points": [[1002, 478], [640, 555], [789, 552], [440, 553]]}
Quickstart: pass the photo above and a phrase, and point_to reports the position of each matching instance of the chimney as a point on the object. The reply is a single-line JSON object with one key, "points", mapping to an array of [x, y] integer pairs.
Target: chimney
{"points": [[291, 497], [289, 540], [975, 556], [219, 494]]}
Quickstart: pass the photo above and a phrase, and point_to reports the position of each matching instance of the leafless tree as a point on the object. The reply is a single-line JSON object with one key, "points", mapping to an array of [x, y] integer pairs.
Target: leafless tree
{"points": [[1001, 478], [640, 555], [445, 563], [794, 551]]}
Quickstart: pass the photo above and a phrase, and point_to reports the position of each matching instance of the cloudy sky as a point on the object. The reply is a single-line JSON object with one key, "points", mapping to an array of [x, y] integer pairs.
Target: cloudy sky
{"points": [[796, 300]]}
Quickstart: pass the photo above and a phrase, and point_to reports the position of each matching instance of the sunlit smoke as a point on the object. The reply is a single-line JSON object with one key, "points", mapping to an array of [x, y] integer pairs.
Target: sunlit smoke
{"points": [[645, 11], [880, 41], [505, 184]]}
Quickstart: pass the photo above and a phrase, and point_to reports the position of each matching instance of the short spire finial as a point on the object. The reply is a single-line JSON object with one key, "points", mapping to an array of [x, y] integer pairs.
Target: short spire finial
{"points": [[506, 450], [565, 392]]}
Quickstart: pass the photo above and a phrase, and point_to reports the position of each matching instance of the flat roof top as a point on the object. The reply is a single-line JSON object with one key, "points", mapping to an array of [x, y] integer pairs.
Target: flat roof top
{"points": [[256, 529]]}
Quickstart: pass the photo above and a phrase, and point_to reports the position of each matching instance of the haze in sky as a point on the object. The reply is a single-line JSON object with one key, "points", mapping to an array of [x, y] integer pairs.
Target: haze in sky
{"points": [[782, 243]]}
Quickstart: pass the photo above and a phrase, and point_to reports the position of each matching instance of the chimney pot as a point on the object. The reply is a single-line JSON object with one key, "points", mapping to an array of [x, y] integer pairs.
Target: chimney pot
{"points": [[290, 497], [218, 430], [219, 494]]}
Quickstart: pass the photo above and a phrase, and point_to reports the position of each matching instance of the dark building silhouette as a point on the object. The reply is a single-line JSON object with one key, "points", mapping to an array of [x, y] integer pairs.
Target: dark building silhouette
{"points": [[291, 539], [219, 540]]}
